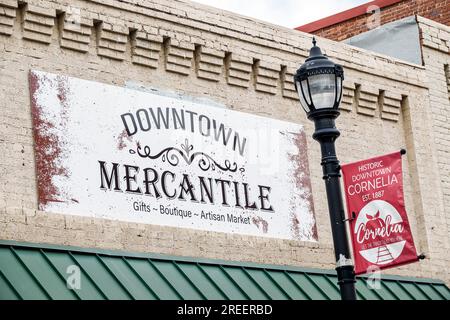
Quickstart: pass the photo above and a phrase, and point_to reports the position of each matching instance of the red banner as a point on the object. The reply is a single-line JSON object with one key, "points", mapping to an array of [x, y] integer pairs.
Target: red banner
{"points": [[380, 231]]}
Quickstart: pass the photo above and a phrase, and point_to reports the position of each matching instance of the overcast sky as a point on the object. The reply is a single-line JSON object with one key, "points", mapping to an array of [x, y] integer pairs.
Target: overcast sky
{"points": [[288, 13]]}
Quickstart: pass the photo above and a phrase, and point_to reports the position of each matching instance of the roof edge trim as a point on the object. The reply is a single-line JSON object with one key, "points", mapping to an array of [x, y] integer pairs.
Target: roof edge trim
{"points": [[344, 15]]}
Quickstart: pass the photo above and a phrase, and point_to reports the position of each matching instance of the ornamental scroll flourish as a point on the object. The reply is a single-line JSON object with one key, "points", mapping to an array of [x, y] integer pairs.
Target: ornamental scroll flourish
{"points": [[172, 155]]}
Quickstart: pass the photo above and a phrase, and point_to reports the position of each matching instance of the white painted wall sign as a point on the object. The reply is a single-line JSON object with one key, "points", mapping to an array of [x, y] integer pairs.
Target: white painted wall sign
{"points": [[117, 153]]}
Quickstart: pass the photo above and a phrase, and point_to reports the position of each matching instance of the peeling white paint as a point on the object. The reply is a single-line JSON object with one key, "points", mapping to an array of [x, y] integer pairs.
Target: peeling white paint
{"points": [[90, 129]]}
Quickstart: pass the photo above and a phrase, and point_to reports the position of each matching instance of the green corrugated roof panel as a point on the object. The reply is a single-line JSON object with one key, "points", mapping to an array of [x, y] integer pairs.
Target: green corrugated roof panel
{"points": [[33, 271]]}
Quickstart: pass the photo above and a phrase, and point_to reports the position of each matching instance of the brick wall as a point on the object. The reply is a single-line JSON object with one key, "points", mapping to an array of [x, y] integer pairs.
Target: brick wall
{"points": [[436, 10], [436, 47], [189, 48]]}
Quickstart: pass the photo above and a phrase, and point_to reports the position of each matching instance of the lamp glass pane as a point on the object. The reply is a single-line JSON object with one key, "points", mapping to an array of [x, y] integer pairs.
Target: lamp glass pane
{"points": [[306, 91], [339, 89], [302, 99], [323, 92]]}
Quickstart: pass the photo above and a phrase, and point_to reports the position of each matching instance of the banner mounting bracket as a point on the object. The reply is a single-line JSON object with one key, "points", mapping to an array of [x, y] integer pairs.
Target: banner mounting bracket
{"points": [[353, 217]]}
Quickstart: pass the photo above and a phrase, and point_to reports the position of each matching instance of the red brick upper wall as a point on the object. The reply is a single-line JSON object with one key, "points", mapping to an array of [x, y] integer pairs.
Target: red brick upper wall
{"points": [[355, 21]]}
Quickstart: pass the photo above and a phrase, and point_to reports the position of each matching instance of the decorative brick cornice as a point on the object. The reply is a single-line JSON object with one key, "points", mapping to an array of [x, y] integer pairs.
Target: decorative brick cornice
{"points": [[283, 40], [209, 63], [146, 47], [8, 9], [179, 55], [184, 52], [38, 23], [267, 75], [390, 105], [76, 33], [348, 96], [239, 70], [112, 40], [367, 100], [288, 82]]}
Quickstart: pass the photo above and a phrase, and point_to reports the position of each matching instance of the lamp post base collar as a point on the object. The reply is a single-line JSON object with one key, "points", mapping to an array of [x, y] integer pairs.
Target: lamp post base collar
{"points": [[343, 261]]}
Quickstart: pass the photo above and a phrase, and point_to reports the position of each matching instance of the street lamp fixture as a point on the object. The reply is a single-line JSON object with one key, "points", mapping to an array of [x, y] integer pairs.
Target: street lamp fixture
{"points": [[319, 86]]}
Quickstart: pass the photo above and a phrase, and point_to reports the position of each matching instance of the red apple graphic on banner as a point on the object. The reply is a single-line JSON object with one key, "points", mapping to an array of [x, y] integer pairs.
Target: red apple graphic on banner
{"points": [[374, 221]]}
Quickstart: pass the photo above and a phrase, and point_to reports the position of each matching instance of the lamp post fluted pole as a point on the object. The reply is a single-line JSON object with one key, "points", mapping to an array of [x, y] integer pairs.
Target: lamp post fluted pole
{"points": [[326, 134]]}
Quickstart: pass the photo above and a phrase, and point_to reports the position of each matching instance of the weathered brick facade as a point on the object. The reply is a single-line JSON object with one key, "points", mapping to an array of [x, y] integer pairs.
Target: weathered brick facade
{"points": [[436, 10], [435, 50], [244, 65]]}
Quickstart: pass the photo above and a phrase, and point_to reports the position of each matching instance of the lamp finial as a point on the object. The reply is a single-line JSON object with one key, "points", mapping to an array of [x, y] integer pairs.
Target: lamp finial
{"points": [[314, 41]]}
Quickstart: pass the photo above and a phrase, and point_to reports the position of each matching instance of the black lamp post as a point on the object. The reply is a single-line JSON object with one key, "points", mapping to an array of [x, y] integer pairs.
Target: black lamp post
{"points": [[319, 86]]}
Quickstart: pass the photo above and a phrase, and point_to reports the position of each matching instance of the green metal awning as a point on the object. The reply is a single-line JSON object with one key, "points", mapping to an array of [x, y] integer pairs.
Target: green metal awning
{"points": [[35, 271]]}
